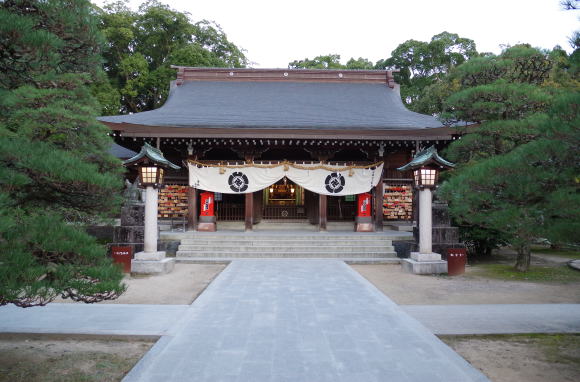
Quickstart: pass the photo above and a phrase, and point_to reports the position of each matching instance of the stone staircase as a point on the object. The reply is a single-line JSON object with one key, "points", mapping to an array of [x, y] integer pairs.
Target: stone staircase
{"points": [[200, 246]]}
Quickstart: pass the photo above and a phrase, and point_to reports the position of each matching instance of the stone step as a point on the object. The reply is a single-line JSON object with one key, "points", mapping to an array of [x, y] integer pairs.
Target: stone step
{"points": [[282, 254], [296, 247], [286, 242], [348, 260], [284, 239]]}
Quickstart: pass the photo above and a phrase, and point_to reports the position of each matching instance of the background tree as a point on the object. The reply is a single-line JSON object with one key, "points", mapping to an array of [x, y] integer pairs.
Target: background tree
{"points": [[422, 64], [517, 168], [329, 61], [141, 47], [55, 172]]}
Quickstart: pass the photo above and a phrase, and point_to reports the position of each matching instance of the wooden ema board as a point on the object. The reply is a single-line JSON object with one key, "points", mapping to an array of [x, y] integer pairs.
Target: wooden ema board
{"points": [[398, 202], [172, 201]]}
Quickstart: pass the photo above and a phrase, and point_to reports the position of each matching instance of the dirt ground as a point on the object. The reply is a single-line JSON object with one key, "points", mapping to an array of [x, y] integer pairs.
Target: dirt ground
{"points": [[409, 289], [68, 359], [181, 286], [529, 358]]}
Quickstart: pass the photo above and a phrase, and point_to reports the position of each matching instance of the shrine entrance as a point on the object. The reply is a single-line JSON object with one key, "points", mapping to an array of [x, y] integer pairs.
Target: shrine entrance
{"points": [[283, 200]]}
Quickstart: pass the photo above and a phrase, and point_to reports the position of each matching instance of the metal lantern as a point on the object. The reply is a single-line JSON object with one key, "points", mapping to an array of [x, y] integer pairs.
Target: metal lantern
{"points": [[426, 176], [151, 165], [426, 166]]}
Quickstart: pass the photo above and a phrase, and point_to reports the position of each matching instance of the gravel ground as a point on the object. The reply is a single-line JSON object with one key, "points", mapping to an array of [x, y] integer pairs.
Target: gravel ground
{"points": [[181, 286], [409, 289]]}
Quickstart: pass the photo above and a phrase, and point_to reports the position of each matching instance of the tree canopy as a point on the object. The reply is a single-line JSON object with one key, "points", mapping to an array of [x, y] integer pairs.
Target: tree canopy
{"points": [[141, 47], [421, 65], [518, 172], [55, 170]]}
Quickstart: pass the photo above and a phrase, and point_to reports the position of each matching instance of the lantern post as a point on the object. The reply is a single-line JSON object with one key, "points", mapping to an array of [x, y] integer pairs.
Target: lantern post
{"points": [[426, 166], [151, 166]]}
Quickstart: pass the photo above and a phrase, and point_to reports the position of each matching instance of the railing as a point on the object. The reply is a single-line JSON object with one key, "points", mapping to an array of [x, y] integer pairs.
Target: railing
{"points": [[284, 212], [230, 211]]}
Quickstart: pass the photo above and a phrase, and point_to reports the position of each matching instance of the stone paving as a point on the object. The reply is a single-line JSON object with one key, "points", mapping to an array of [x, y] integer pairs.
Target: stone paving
{"points": [[289, 320], [294, 320], [497, 318], [93, 319], [122, 319]]}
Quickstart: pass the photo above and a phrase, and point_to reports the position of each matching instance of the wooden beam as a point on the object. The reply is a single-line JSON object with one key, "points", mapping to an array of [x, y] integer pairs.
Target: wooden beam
{"points": [[378, 210], [249, 205], [249, 211], [322, 212], [192, 213]]}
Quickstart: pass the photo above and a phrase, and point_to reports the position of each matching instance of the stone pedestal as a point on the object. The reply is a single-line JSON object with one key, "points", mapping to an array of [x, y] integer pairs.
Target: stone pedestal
{"points": [[425, 261], [131, 232], [363, 224], [424, 264], [206, 224], [151, 263]]}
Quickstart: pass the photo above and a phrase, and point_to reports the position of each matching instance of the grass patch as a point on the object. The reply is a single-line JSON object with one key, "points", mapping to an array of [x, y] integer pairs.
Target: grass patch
{"points": [[537, 273], [570, 254], [556, 348]]}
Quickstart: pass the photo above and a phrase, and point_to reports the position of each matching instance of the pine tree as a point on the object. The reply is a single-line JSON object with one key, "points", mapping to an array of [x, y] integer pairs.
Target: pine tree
{"points": [[55, 172], [518, 172]]}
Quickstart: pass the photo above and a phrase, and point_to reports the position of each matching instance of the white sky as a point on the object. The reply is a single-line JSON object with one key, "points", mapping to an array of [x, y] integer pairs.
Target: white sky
{"points": [[273, 32]]}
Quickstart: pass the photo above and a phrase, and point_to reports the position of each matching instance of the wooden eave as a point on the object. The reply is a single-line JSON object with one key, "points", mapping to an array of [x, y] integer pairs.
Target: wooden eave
{"points": [[186, 74], [133, 130]]}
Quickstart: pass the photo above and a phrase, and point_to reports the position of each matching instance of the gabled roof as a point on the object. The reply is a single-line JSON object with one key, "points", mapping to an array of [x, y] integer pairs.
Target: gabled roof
{"points": [[425, 157], [283, 99], [152, 154]]}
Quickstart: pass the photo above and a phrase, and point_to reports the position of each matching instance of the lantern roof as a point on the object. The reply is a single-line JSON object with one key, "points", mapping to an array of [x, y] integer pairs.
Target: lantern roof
{"points": [[149, 153], [426, 157]]}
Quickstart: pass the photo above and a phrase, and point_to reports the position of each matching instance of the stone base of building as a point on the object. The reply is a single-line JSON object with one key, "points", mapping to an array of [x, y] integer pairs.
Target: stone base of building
{"points": [[206, 227], [148, 263], [424, 264], [364, 227]]}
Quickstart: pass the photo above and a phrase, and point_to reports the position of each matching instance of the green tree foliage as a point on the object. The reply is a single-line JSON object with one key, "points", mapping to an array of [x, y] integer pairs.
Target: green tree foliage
{"points": [[141, 47], [518, 173], [422, 64], [360, 63], [329, 61], [55, 172]]}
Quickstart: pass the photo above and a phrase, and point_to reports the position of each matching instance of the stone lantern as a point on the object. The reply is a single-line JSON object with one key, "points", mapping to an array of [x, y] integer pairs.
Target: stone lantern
{"points": [[426, 166], [151, 165]]}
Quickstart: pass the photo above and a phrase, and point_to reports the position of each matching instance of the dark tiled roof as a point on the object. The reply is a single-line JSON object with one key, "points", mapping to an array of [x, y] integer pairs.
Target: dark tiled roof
{"points": [[279, 105], [121, 152]]}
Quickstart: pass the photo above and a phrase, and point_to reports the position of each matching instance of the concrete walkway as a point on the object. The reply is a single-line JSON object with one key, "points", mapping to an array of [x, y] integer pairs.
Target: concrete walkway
{"points": [[120, 319], [287, 320], [498, 318], [92, 319], [278, 320]]}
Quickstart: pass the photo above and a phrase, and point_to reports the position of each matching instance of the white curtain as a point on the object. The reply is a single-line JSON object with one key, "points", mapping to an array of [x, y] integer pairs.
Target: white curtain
{"points": [[330, 180]]}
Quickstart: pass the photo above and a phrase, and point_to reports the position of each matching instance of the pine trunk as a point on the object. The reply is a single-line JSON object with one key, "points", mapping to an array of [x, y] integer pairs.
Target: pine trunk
{"points": [[523, 259]]}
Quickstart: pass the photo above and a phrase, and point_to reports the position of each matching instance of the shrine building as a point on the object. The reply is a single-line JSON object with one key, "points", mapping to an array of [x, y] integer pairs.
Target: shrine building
{"points": [[282, 145]]}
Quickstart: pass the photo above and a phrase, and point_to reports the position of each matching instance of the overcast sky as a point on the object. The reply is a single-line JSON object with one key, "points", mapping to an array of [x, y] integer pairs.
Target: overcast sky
{"points": [[273, 33]]}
